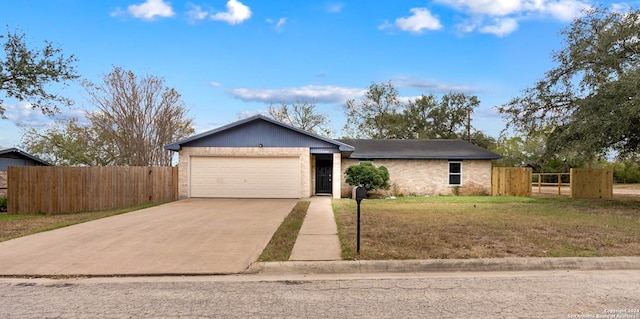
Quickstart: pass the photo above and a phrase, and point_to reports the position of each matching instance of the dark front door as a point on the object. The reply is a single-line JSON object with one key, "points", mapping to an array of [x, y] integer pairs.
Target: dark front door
{"points": [[324, 168]]}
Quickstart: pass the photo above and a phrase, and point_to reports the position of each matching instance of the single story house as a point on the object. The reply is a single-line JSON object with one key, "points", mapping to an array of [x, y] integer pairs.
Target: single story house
{"points": [[259, 157], [16, 157]]}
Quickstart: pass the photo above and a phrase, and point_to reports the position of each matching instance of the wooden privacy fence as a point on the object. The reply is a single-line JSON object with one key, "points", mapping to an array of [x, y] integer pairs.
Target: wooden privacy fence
{"points": [[511, 181], [57, 190], [592, 183]]}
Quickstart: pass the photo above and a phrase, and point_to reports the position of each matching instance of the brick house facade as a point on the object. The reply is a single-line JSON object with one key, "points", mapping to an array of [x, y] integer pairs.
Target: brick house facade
{"points": [[259, 157], [428, 177]]}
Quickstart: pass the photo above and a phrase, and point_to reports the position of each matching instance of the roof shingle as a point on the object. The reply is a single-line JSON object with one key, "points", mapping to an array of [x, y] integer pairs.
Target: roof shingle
{"points": [[418, 149]]}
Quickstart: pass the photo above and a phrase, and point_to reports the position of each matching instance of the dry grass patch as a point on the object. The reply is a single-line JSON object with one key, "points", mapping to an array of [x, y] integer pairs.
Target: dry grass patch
{"points": [[634, 187], [281, 244], [484, 227], [18, 225]]}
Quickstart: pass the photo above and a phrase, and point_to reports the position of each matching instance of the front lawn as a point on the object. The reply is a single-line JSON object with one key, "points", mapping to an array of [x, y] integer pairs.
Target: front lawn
{"points": [[484, 227]]}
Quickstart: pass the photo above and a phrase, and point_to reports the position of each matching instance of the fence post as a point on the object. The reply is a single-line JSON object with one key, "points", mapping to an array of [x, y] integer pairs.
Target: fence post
{"points": [[559, 185]]}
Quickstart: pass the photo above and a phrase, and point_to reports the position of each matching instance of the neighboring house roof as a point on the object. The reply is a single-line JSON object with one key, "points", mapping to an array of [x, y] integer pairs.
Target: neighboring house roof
{"points": [[418, 149], [259, 130], [20, 154]]}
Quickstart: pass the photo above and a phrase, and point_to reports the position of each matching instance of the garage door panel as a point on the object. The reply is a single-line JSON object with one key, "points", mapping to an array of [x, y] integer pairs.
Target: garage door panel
{"points": [[250, 177]]}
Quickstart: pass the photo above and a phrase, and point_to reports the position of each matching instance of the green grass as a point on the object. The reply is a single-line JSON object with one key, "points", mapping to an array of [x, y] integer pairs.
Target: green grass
{"points": [[18, 225], [486, 227], [281, 244]]}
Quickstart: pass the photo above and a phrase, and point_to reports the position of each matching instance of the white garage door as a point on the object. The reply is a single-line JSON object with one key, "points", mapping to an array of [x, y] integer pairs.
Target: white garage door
{"points": [[245, 177]]}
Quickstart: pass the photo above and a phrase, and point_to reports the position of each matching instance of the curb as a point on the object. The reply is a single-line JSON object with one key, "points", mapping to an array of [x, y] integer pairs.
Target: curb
{"points": [[443, 265]]}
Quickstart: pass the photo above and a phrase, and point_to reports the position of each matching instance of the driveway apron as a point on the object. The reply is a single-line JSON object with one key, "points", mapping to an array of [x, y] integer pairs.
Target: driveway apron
{"points": [[193, 236]]}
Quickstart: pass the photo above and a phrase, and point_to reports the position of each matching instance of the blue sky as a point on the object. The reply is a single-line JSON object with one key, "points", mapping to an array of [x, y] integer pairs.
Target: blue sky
{"points": [[232, 58]]}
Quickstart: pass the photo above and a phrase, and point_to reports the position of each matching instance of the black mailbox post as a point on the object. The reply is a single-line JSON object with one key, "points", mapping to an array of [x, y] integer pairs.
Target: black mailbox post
{"points": [[361, 193]]}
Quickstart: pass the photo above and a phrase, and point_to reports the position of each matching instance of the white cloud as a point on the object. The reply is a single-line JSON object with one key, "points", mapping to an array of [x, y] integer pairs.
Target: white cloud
{"points": [[468, 26], [196, 13], [432, 86], [386, 26], [249, 113], [278, 25], [501, 27], [215, 84], [407, 99], [566, 10], [148, 10], [620, 7], [488, 7], [420, 20], [335, 7], [316, 93], [236, 13], [501, 17], [23, 114]]}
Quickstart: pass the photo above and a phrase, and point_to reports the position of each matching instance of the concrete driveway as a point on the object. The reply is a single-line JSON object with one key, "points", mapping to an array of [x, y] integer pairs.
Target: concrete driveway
{"points": [[193, 236]]}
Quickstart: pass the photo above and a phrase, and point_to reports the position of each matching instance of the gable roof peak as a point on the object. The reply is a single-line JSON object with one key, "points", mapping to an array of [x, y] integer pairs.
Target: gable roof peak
{"points": [[255, 118]]}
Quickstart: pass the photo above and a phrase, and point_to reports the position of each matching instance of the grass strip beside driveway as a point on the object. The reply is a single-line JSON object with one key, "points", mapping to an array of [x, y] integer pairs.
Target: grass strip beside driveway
{"points": [[18, 225], [281, 244], [448, 227]]}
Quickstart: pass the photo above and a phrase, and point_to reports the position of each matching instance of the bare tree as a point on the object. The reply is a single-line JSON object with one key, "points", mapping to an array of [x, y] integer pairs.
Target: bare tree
{"points": [[138, 116], [302, 115]]}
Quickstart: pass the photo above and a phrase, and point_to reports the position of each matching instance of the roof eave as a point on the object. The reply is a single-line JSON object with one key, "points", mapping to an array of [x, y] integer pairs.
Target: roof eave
{"points": [[25, 154], [173, 147], [424, 157]]}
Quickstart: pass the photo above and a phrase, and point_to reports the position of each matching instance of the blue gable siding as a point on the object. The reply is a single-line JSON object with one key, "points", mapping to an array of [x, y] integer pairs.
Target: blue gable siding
{"points": [[16, 157], [6, 162], [267, 134]]}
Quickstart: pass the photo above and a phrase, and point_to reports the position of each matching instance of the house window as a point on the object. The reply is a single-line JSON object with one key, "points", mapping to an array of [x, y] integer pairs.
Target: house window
{"points": [[455, 173]]}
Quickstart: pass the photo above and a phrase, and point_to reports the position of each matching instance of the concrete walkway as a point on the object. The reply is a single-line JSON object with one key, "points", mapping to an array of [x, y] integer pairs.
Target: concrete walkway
{"points": [[318, 237]]}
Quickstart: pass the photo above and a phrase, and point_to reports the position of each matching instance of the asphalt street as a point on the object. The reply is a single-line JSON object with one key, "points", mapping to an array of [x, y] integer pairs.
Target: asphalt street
{"points": [[541, 294]]}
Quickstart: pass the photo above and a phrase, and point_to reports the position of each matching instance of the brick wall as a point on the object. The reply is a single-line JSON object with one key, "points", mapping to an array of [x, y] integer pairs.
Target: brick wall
{"points": [[337, 171], [187, 152], [3, 183], [428, 177]]}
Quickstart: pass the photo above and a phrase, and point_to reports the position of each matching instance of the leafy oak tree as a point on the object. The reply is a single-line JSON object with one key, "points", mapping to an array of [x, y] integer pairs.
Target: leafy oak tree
{"points": [[376, 115], [428, 117], [25, 73], [70, 143], [382, 115], [591, 99], [302, 115]]}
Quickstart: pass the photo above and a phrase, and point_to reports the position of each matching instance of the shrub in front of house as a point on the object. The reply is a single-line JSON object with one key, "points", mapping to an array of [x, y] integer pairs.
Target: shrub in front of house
{"points": [[3, 204], [368, 175]]}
